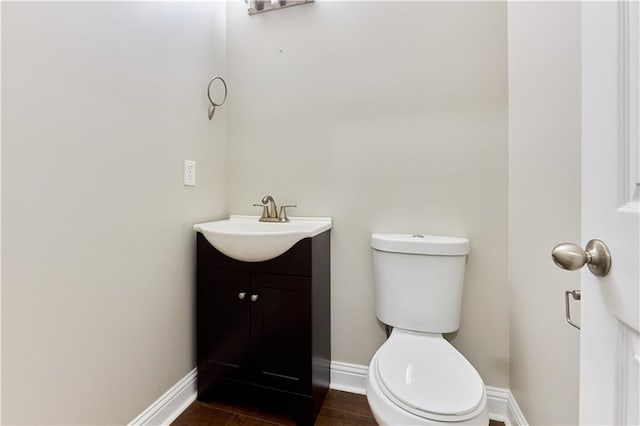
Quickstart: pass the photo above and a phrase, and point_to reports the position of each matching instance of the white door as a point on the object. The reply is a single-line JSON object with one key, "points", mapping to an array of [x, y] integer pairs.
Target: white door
{"points": [[610, 320]]}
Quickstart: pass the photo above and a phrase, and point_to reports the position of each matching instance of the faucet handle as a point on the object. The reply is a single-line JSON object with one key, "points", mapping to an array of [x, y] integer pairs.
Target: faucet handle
{"points": [[265, 213], [283, 213]]}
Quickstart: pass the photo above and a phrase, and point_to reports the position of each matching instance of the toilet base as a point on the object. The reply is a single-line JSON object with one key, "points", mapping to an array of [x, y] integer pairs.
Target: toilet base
{"points": [[387, 413]]}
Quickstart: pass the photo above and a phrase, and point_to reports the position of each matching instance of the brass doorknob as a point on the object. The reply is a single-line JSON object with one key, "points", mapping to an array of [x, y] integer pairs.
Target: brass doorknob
{"points": [[596, 256]]}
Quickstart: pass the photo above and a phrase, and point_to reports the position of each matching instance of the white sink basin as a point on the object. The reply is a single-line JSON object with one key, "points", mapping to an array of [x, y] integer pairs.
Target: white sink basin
{"points": [[245, 238]]}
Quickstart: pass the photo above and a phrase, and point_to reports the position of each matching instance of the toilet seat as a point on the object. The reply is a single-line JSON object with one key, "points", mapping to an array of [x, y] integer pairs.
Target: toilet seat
{"points": [[426, 376]]}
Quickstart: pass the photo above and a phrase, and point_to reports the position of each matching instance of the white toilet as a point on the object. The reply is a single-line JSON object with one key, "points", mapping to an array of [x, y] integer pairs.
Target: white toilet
{"points": [[417, 377]]}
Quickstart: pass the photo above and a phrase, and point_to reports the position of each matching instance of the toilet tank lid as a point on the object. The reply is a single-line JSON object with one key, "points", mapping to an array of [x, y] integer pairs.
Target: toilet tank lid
{"points": [[438, 245]]}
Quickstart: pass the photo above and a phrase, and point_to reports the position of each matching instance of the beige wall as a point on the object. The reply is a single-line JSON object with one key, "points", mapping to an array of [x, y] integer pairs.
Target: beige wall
{"points": [[101, 104], [389, 117], [544, 205]]}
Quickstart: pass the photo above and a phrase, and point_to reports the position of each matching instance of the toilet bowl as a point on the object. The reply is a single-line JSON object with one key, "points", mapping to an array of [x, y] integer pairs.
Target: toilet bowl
{"points": [[420, 378], [417, 377]]}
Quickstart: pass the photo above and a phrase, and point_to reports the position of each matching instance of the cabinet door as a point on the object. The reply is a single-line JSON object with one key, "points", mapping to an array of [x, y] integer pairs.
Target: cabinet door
{"points": [[224, 322], [281, 331]]}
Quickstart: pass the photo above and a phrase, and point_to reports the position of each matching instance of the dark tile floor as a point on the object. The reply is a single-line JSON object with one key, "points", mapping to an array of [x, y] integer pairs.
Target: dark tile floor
{"points": [[339, 409]]}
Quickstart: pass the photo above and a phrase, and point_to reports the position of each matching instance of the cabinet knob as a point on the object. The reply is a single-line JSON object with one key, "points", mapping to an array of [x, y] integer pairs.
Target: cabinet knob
{"points": [[254, 297], [242, 295]]}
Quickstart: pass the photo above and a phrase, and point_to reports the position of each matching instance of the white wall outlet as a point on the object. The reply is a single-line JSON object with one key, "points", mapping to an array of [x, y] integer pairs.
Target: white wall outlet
{"points": [[189, 173]]}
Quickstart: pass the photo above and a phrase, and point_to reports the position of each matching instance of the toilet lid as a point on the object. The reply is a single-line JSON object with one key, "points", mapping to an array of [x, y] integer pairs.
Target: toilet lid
{"points": [[427, 376]]}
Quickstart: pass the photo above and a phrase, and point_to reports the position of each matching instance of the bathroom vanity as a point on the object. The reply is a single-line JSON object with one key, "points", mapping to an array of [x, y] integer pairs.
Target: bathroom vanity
{"points": [[263, 328]]}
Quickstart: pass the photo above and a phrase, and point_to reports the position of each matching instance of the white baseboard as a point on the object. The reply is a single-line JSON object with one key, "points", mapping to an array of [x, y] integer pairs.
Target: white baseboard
{"points": [[349, 377], [502, 405], [169, 406], [344, 377]]}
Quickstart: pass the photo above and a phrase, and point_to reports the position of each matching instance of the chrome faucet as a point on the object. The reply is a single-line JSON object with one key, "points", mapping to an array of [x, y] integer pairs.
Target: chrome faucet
{"points": [[270, 210]]}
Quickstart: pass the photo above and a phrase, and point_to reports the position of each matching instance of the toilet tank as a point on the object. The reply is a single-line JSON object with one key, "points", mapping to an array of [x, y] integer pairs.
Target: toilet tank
{"points": [[418, 280]]}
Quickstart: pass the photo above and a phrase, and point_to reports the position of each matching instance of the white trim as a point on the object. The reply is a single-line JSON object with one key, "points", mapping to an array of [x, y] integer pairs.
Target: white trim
{"points": [[349, 377], [515, 413], [498, 402], [169, 406], [502, 405], [628, 103], [344, 377]]}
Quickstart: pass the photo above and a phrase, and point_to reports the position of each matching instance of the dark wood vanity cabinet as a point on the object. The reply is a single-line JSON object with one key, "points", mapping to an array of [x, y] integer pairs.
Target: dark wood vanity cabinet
{"points": [[263, 328]]}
